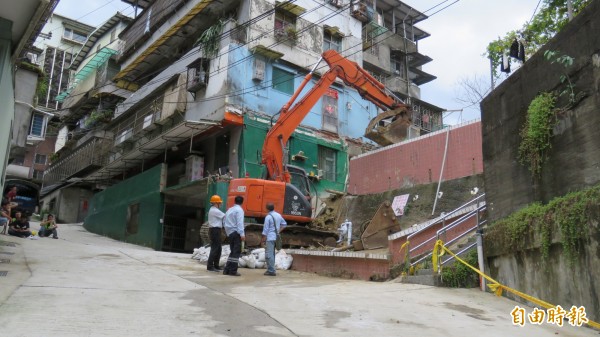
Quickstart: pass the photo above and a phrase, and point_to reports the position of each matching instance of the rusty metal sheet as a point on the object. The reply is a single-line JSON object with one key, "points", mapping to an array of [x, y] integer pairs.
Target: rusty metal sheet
{"points": [[383, 223], [389, 127]]}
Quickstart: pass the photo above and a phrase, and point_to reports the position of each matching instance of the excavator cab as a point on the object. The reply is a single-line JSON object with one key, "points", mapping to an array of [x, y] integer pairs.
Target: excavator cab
{"points": [[299, 178]]}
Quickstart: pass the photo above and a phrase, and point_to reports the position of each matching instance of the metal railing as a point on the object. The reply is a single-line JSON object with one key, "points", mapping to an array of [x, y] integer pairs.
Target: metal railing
{"points": [[478, 202]]}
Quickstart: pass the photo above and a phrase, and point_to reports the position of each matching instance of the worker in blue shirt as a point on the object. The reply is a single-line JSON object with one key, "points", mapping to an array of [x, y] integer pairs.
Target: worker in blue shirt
{"points": [[274, 223], [234, 228]]}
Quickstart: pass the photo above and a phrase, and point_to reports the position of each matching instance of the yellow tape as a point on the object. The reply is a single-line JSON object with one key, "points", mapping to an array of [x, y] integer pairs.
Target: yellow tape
{"points": [[403, 247], [494, 285]]}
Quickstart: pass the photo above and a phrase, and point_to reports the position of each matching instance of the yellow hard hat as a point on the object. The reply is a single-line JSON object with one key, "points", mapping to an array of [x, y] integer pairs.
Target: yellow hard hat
{"points": [[215, 199]]}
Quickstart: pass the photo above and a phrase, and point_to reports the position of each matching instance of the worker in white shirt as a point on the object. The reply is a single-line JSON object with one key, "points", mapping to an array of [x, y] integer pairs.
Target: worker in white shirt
{"points": [[234, 228], [215, 222]]}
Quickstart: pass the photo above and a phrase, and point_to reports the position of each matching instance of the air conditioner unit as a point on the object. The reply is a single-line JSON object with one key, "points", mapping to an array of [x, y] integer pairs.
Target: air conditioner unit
{"points": [[258, 71], [123, 137], [148, 122]]}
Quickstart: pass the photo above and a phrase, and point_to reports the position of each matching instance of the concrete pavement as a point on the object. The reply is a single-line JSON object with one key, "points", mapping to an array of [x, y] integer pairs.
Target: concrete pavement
{"points": [[88, 285]]}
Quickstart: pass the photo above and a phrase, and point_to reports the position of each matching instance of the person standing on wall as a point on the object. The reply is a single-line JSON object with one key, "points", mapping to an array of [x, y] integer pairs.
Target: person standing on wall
{"points": [[274, 223], [215, 222], [234, 228]]}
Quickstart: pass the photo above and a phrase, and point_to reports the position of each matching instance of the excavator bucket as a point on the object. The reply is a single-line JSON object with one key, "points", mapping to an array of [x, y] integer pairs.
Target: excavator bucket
{"points": [[383, 223], [389, 127]]}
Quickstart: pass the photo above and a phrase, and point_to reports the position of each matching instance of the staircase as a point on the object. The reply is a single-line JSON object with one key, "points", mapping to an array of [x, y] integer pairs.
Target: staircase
{"points": [[457, 229]]}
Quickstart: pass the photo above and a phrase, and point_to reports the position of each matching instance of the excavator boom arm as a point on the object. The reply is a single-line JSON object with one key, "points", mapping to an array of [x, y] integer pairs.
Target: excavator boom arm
{"points": [[339, 67]]}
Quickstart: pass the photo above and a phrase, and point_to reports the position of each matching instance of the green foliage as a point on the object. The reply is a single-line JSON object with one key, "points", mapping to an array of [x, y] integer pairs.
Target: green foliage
{"points": [[549, 20], [98, 116], [42, 86], [210, 39], [537, 132], [570, 214], [461, 276], [566, 61]]}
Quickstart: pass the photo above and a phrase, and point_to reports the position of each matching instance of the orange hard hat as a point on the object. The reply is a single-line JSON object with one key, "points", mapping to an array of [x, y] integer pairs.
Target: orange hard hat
{"points": [[215, 199]]}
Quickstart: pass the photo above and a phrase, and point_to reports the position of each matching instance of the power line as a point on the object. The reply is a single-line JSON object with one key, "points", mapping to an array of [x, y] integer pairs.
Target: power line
{"points": [[534, 11], [443, 8]]}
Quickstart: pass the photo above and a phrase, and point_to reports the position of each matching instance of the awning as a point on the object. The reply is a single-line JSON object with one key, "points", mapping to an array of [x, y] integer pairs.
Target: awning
{"points": [[196, 190], [150, 148], [98, 60]]}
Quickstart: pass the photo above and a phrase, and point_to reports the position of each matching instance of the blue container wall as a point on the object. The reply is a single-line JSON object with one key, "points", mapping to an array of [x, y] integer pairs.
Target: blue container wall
{"points": [[354, 113], [108, 210]]}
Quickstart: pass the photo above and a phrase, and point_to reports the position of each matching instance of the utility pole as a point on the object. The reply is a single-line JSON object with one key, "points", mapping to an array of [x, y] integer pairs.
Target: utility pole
{"points": [[492, 73], [570, 9]]}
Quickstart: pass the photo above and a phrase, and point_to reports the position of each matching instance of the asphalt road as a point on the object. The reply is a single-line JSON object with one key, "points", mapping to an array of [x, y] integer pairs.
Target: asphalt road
{"points": [[88, 285]]}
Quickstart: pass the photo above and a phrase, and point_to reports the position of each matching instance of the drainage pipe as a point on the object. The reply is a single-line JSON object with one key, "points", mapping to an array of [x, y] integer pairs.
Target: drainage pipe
{"points": [[480, 256], [441, 172]]}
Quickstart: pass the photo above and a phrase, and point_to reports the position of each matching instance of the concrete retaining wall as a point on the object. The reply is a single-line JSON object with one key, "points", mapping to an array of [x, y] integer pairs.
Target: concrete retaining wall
{"points": [[574, 159], [573, 164]]}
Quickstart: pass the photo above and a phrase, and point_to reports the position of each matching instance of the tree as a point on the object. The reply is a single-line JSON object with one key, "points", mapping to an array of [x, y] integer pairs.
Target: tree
{"points": [[472, 90], [549, 20]]}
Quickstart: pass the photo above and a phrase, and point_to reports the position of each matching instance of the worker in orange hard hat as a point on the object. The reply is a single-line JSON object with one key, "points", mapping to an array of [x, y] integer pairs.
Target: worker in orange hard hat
{"points": [[215, 222]]}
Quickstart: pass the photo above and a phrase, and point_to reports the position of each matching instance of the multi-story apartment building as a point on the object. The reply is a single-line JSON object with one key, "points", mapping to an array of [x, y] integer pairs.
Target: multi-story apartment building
{"points": [[45, 67], [209, 78], [88, 102], [20, 27], [60, 40]]}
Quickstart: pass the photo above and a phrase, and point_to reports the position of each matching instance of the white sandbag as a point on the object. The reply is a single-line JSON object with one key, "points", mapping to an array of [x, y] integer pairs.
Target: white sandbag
{"points": [[258, 251], [242, 262], [223, 260], [260, 264], [225, 250], [251, 261], [261, 256], [283, 261]]}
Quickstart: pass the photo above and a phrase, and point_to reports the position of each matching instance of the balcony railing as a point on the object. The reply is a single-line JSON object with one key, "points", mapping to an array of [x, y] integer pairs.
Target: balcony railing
{"points": [[89, 156]]}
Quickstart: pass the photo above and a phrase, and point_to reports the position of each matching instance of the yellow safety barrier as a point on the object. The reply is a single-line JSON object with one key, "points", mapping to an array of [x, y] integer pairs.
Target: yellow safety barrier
{"points": [[495, 286]]}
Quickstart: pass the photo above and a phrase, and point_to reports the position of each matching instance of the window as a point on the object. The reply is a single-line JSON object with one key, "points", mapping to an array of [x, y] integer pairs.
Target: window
{"points": [[52, 204], [74, 35], [37, 125], [330, 110], [40, 159], [283, 80], [398, 68], [327, 159], [331, 41], [38, 174], [133, 217], [284, 21]]}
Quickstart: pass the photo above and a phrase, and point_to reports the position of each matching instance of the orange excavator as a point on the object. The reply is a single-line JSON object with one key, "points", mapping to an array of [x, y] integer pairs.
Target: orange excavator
{"points": [[286, 186]]}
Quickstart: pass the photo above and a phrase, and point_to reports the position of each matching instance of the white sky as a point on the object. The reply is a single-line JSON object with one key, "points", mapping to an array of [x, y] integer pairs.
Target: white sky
{"points": [[459, 36]]}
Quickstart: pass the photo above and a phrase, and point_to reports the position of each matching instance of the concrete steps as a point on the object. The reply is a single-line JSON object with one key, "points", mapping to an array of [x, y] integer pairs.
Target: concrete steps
{"points": [[422, 276]]}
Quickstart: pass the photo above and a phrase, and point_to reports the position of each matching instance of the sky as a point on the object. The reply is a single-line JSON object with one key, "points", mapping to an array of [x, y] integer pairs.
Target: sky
{"points": [[459, 36]]}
